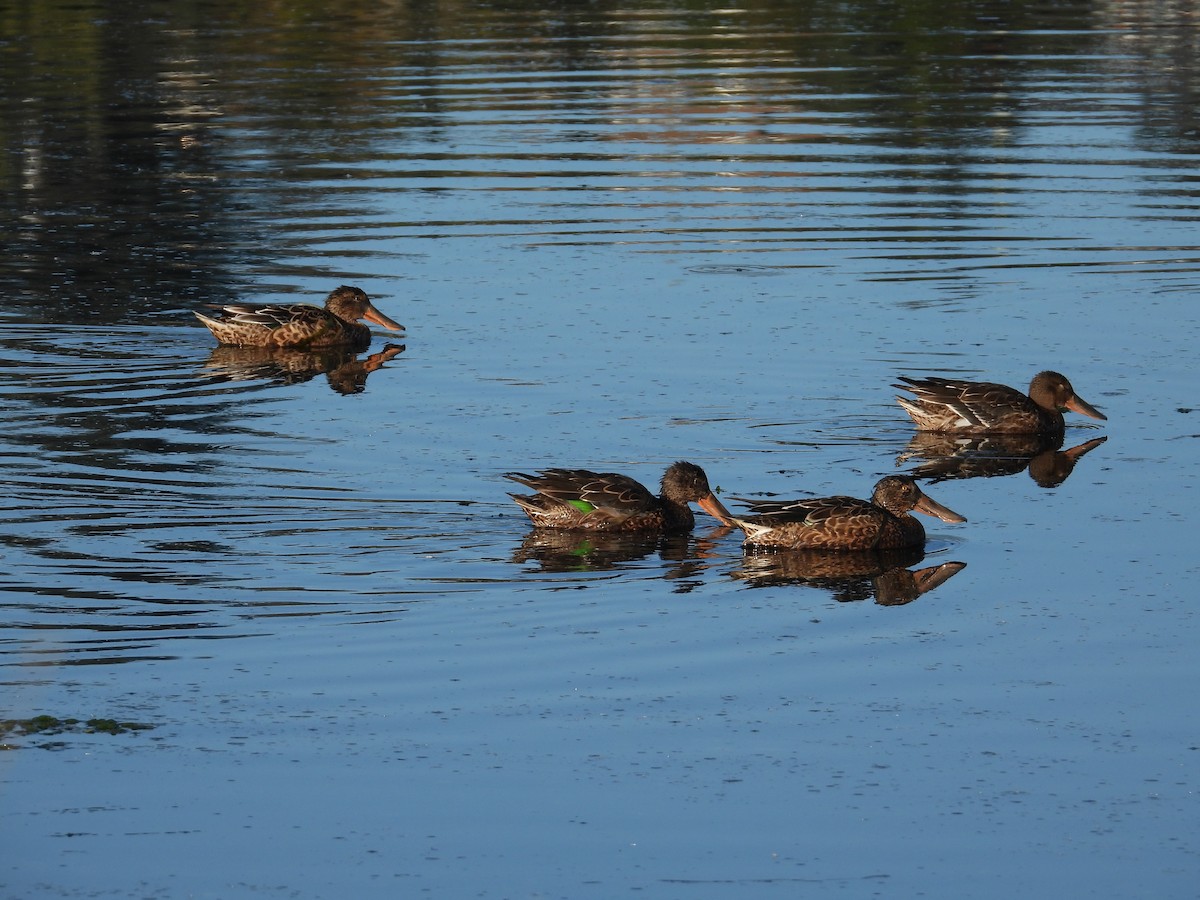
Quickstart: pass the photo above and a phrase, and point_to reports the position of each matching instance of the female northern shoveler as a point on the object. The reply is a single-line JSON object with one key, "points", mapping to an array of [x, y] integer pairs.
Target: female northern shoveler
{"points": [[844, 523], [979, 407], [299, 324], [605, 501]]}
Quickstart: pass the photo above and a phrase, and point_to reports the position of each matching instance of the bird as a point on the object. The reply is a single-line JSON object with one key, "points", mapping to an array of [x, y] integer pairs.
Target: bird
{"points": [[844, 523], [980, 407], [300, 325], [607, 501]]}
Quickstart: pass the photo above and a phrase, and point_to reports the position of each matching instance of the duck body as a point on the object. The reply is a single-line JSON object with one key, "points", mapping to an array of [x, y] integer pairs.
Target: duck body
{"points": [[980, 407], [607, 501], [844, 523], [300, 325]]}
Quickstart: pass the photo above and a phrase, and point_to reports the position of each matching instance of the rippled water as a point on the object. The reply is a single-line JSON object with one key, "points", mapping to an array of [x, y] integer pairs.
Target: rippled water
{"points": [[338, 659]]}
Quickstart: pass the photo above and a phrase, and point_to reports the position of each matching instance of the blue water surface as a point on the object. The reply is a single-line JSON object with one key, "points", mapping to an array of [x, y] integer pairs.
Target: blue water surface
{"points": [[616, 239]]}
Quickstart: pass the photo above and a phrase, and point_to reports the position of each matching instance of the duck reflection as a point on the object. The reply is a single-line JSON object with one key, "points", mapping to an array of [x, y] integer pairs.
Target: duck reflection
{"points": [[947, 456], [849, 575], [592, 551], [347, 374]]}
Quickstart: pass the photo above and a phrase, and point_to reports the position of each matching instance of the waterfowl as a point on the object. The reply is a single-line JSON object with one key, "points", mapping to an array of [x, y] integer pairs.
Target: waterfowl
{"points": [[980, 407], [844, 523], [300, 325], [606, 501]]}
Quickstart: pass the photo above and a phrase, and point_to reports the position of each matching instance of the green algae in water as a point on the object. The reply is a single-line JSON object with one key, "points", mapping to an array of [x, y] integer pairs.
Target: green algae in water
{"points": [[52, 725]]}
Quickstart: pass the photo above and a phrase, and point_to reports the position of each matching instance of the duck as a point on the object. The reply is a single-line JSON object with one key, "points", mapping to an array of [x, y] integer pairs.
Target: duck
{"points": [[300, 325], [981, 407], [844, 523], [607, 501]]}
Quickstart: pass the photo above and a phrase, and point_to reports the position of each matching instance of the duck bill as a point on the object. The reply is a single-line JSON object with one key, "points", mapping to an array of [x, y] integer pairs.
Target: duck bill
{"points": [[931, 507], [374, 315], [1081, 406], [711, 505]]}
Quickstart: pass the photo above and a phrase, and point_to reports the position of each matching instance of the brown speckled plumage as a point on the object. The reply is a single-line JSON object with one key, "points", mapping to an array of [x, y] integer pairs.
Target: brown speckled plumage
{"points": [[300, 325], [844, 523], [607, 501], [980, 407]]}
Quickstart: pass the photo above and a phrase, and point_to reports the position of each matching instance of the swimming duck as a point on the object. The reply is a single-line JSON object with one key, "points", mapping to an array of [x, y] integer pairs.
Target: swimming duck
{"points": [[606, 501], [980, 407], [300, 325], [844, 523]]}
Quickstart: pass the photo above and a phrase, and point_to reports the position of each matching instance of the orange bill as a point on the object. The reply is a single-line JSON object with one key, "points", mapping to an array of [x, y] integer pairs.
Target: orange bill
{"points": [[374, 315], [711, 505], [931, 507], [1081, 406]]}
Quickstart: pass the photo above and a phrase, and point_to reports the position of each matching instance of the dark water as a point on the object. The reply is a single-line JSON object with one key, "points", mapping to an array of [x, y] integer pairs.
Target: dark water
{"points": [[337, 660]]}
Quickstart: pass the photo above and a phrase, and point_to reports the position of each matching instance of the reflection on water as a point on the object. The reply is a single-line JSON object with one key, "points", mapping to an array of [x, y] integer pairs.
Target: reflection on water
{"points": [[150, 502], [628, 234], [270, 146], [45, 726], [948, 456], [682, 556], [849, 575], [347, 374]]}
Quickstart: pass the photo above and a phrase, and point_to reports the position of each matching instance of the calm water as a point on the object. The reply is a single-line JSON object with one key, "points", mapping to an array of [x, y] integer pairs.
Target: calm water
{"points": [[617, 238]]}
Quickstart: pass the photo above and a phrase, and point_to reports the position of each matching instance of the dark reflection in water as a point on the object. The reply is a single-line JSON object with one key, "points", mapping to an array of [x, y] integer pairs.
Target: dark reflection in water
{"points": [[948, 456], [347, 374], [684, 556], [565, 189], [193, 146], [79, 401], [849, 576], [578, 551]]}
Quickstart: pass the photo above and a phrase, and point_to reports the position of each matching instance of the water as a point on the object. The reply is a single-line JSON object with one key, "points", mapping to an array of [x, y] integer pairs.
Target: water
{"points": [[617, 238]]}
